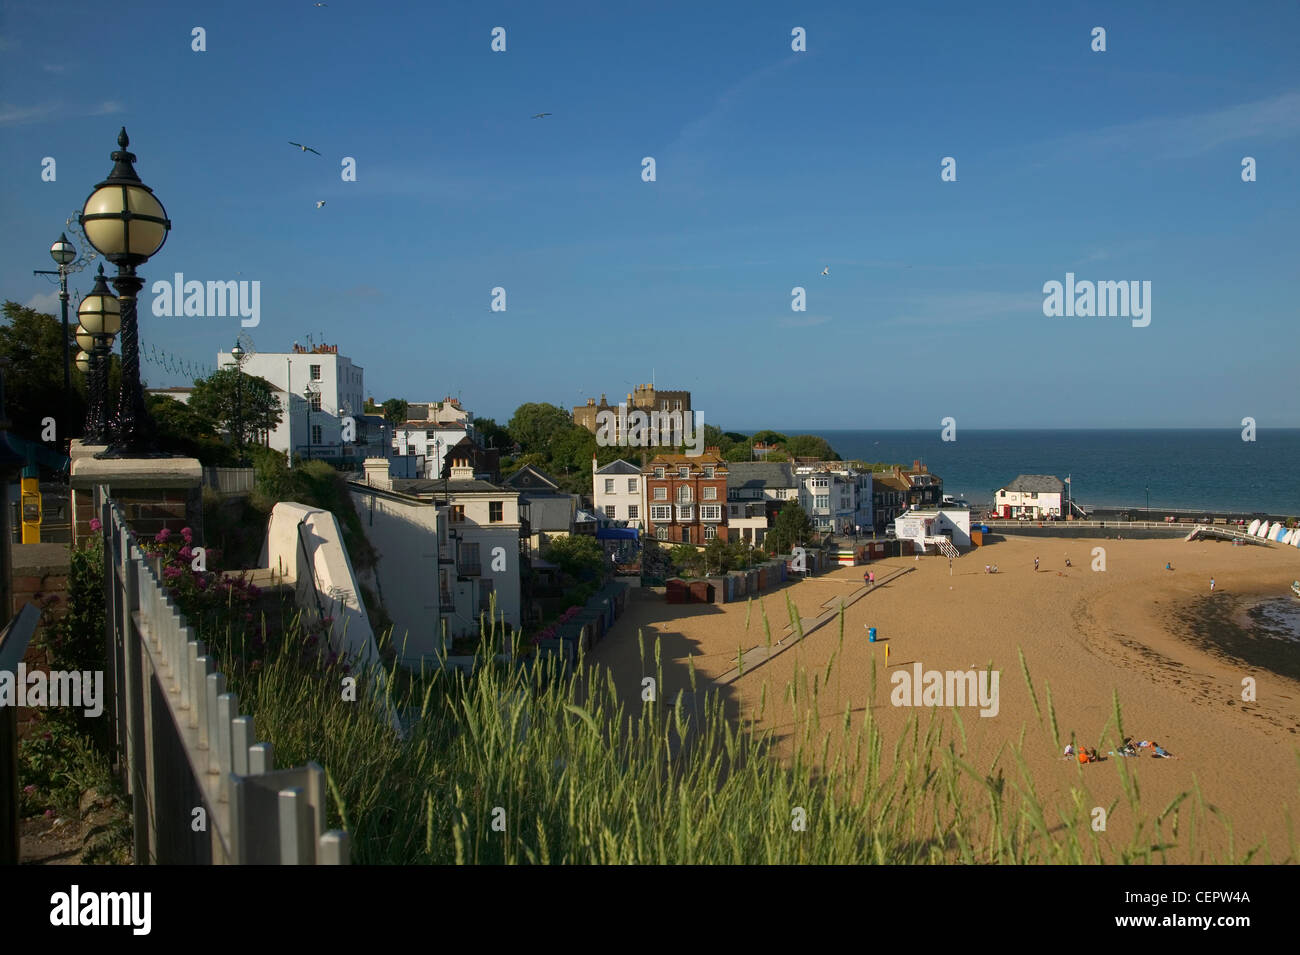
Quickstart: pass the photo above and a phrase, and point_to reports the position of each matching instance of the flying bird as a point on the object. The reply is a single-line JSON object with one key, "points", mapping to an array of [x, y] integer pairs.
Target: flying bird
{"points": [[826, 271], [320, 4], [540, 115], [321, 203], [306, 149]]}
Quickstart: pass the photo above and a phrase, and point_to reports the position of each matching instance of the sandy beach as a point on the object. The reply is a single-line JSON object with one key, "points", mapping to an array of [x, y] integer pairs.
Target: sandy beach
{"points": [[1175, 654]]}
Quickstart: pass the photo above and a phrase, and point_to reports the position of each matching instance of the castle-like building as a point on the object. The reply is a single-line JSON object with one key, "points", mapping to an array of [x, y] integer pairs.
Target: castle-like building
{"points": [[644, 398]]}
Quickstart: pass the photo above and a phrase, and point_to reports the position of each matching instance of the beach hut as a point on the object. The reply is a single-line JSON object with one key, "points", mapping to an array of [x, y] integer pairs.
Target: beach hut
{"points": [[675, 591], [701, 591]]}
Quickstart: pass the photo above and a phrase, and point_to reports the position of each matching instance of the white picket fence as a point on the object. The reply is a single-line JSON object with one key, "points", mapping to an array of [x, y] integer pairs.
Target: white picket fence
{"points": [[203, 790]]}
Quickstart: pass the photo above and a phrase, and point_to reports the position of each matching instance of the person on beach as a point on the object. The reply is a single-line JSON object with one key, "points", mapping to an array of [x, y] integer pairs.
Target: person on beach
{"points": [[1067, 561], [1211, 585], [1160, 752], [871, 578], [1168, 566], [1035, 565], [986, 568]]}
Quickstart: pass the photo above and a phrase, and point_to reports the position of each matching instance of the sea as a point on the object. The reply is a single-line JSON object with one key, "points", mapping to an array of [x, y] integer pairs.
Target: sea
{"points": [[1173, 468]]}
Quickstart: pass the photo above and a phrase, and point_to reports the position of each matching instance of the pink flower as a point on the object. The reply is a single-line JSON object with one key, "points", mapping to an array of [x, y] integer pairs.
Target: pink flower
{"points": [[188, 535], [163, 535], [201, 583], [49, 814], [29, 788], [96, 523], [171, 573]]}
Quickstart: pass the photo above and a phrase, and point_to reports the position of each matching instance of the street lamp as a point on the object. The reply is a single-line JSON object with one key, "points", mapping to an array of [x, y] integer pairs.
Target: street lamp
{"points": [[63, 253], [237, 353], [1148, 515], [126, 224], [100, 315]]}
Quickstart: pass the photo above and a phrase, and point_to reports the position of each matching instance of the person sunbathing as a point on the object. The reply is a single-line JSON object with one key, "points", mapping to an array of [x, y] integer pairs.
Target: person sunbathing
{"points": [[1160, 752]]}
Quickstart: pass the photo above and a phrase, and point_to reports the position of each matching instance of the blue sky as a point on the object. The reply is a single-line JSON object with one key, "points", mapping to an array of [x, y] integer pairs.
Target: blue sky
{"points": [[771, 165]]}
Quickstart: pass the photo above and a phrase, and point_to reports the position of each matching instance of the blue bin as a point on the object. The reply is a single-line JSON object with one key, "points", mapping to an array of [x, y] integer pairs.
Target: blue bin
{"points": [[871, 634]]}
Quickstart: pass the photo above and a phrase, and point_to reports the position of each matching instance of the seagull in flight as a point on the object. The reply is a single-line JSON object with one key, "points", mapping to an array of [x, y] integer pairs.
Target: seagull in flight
{"points": [[826, 271], [321, 203], [320, 4], [306, 149], [540, 115]]}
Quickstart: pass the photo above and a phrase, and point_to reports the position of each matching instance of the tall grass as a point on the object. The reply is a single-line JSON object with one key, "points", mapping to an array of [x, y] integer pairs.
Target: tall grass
{"points": [[529, 765]]}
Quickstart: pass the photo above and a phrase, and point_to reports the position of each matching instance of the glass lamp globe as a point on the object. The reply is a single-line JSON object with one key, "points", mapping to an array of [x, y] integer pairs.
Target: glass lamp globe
{"points": [[100, 313]]}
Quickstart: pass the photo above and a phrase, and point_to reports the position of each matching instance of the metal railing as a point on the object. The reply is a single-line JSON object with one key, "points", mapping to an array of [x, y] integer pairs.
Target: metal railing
{"points": [[14, 639], [202, 790], [229, 480]]}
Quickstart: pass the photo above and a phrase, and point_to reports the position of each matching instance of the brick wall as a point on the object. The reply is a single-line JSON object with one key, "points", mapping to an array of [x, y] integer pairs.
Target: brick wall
{"points": [[41, 578], [147, 511]]}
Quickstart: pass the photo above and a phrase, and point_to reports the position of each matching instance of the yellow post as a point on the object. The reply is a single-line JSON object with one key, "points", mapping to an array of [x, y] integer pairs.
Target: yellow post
{"points": [[31, 510], [886, 656]]}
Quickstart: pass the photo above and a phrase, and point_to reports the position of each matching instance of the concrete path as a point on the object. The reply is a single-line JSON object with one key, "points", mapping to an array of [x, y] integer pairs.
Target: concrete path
{"points": [[757, 656]]}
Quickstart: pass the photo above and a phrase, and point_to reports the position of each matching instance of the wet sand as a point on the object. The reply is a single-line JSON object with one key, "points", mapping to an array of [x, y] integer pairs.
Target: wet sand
{"points": [[1175, 655]]}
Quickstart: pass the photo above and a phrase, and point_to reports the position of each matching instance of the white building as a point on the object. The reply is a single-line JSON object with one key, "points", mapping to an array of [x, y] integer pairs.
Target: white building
{"points": [[756, 490], [446, 413], [449, 545], [433, 442], [927, 527], [618, 492], [1033, 496], [836, 497], [319, 388]]}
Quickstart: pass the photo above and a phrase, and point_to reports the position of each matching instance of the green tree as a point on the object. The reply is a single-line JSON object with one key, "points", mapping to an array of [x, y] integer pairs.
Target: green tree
{"points": [[493, 434], [810, 446], [235, 400], [792, 527], [33, 342], [738, 452], [769, 437], [396, 410], [183, 430], [535, 424], [578, 555]]}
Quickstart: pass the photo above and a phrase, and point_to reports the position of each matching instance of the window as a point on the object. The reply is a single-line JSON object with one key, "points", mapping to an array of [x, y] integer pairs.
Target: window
{"points": [[686, 535], [685, 512], [496, 512], [710, 494], [661, 533], [631, 485], [661, 494], [710, 532], [821, 482], [468, 565], [683, 472], [708, 471], [822, 500], [683, 495], [735, 510], [679, 405], [661, 512], [710, 512], [659, 472], [609, 485], [485, 588], [633, 512], [315, 434], [315, 372], [315, 401], [457, 513], [610, 511]]}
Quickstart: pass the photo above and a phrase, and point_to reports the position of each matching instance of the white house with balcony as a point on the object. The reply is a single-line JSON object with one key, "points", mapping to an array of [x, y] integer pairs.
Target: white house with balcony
{"points": [[431, 441], [618, 492], [318, 388], [829, 493], [453, 545], [1031, 496]]}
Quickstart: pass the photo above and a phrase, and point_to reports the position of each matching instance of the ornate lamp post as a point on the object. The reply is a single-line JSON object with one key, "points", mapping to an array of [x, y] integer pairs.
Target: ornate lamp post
{"points": [[100, 314], [237, 353], [63, 253], [127, 225]]}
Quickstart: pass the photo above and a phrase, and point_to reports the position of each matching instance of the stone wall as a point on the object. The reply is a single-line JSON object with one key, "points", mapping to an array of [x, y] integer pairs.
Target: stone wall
{"points": [[40, 577]]}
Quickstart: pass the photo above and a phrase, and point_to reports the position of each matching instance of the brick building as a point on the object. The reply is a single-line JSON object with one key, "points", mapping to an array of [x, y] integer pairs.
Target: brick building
{"points": [[686, 497], [643, 398]]}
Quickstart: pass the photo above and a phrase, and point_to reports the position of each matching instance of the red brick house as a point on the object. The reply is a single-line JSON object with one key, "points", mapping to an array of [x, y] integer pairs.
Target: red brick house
{"points": [[686, 497]]}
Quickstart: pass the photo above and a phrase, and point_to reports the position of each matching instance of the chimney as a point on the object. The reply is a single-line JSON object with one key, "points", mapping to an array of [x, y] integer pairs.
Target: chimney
{"points": [[593, 462], [916, 465], [377, 474], [461, 470]]}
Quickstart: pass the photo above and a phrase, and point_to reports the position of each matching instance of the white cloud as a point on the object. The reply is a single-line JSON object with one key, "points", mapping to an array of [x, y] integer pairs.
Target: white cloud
{"points": [[13, 115], [45, 302], [1182, 136], [107, 108]]}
